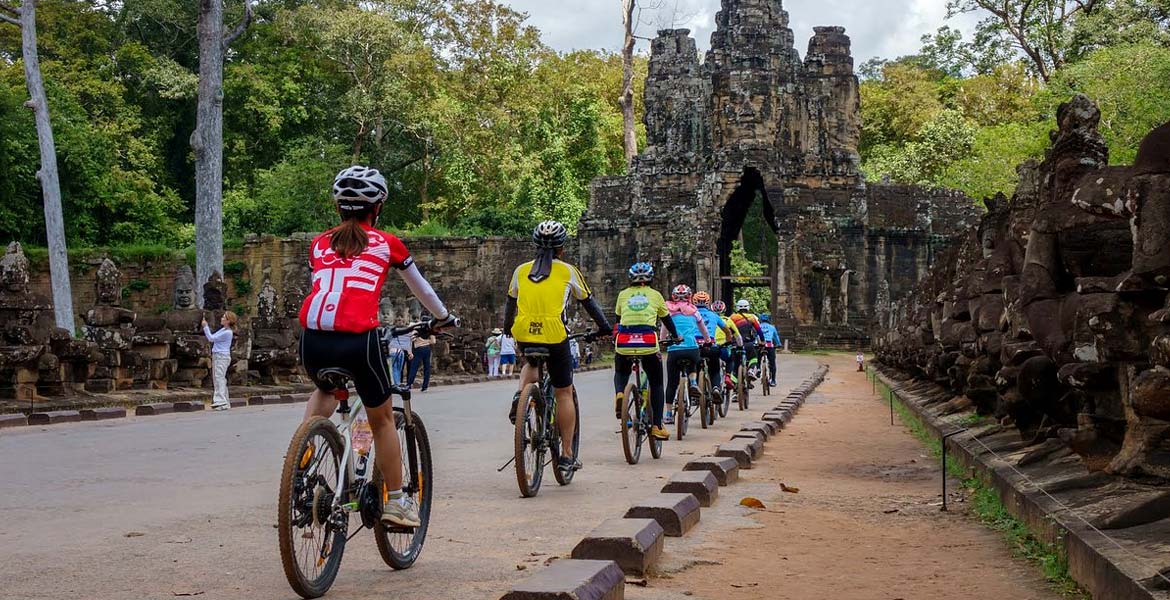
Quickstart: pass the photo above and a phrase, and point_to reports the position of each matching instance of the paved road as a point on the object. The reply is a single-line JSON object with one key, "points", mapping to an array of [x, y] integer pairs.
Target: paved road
{"points": [[176, 505]]}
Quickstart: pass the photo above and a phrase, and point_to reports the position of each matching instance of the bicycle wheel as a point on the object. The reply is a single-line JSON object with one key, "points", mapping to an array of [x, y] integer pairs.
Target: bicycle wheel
{"points": [[631, 425], [648, 422], [704, 392], [765, 377], [725, 403], [312, 537], [400, 546], [567, 478], [529, 440], [681, 399], [741, 386]]}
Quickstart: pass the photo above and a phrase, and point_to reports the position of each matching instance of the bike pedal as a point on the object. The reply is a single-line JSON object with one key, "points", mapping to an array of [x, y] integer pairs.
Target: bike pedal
{"points": [[399, 529]]}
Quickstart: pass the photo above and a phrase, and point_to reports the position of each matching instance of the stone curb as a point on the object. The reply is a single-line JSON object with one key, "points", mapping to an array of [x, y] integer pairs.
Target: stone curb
{"points": [[573, 579], [1092, 561], [634, 544], [187, 406], [700, 484], [740, 450], [764, 427], [103, 414], [676, 513], [750, 436], [726, 470], [17, 420], [270, 399], [157, 408], [54, 417]]}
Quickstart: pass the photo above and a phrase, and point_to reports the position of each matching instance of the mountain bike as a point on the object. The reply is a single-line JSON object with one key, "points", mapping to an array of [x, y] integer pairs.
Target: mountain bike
{"points": [[707, 399], [684, 407], [325, 479], [638, 418], [724, 404], [742, 383], [765, 372], [537, 433]]}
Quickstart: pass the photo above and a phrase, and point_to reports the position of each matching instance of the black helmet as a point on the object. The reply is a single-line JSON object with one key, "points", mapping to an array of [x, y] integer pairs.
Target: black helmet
{"points": [[550, 234]]}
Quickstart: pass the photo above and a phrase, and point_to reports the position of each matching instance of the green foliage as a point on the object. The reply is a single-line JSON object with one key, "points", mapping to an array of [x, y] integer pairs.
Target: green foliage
{"points": [[234, 267], [138, 285], [742, 266]]}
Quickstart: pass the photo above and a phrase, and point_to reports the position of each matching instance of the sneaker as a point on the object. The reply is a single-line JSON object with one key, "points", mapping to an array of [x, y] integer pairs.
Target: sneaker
{"points": [[512, 411], [566, 464], [221, 406], [772, 383], [401, 511], [668, 418], [696, 394], [619, 404], [659, 433]]}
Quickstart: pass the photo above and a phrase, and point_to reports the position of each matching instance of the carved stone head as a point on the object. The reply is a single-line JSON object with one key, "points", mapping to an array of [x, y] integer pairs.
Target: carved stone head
{"points": [[14, 269], [215, 292], [184, 289], [108, 284]]}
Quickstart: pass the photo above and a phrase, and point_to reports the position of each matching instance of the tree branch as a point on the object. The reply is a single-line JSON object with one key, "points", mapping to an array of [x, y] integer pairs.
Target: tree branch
{"points": [[239, 30], [12, 10], [8, 19]]}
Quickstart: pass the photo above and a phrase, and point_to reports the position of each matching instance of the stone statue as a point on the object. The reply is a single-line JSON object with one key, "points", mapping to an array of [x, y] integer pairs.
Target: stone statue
{"points": [[215, 293], [184, 289]]}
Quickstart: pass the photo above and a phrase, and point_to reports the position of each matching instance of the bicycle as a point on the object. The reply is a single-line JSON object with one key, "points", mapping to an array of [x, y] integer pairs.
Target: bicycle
{"points": [[766, 373], [707, 399], [724, 406], [325, 479], [742, 384], [638, 418], [683, 406], [536, 430]]}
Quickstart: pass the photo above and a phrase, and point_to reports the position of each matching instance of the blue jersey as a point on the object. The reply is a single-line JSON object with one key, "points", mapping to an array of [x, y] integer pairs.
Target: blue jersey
{"points": [[712, 320], [770, 334]]}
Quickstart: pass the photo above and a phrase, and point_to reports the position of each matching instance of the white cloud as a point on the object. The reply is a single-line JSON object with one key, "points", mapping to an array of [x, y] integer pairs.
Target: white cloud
{"points": [[885, 28]]}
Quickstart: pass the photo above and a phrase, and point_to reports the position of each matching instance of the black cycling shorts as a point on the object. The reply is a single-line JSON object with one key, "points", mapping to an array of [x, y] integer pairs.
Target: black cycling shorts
{"points": [[559, 364], [358, 353]]}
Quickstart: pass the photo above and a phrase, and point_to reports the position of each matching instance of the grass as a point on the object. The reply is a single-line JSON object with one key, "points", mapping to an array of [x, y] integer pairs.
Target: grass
{"points": [[986, 505]]}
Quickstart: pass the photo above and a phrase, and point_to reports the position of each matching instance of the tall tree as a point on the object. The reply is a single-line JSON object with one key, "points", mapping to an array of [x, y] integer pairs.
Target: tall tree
{"points": [[207, 139], [630, 140], [25, 17]]}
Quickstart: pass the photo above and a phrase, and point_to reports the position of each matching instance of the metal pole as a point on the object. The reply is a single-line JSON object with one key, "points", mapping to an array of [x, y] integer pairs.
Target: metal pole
{"points": [[944, 465]]}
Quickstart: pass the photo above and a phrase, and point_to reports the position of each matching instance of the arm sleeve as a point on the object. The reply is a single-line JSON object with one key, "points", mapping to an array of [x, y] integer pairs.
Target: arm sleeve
{"points": [[509, 314], [668, 323], [423, 291], [594, 310]]}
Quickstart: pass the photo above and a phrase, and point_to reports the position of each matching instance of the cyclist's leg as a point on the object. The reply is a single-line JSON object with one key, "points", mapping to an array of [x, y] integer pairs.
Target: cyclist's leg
{"points": [[712, 354], [316, 350], [652, 366], [321, 404], [772, 364], [622, 365], [566, 418], [386, 445], [673, 370]]}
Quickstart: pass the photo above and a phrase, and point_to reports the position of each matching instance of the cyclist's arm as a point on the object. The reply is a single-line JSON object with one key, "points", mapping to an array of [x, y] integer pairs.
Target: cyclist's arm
{"points": [[702, 326], [594, 311], [423, 291], [509, 314], [668, 323]]}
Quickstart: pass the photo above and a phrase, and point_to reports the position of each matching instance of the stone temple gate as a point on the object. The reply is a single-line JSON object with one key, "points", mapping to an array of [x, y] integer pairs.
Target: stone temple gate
{"points": [[753, 123]]}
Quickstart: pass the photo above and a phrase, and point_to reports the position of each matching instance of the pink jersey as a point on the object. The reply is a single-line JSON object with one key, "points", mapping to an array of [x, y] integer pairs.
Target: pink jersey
{"points": [[346, 292]]}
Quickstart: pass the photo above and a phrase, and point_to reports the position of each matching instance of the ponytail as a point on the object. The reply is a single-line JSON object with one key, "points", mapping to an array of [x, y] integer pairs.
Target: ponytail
{"points": [[349, 239]]}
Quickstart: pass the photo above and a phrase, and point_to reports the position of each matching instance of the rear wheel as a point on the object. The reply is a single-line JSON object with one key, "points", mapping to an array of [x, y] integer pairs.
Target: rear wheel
{"points": [[741, 386], [528, 441], [766, 376], [681, 399], [631, 425], [704, 396], [312, 538], [566, 478], [725, 401], [648, 422], [400, 546]]}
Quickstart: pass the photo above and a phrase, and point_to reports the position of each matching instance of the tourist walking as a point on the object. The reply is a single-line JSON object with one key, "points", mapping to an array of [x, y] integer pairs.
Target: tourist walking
{"points": [[860, 361], [421, 360], [221, 357], [507, 353], [400, 350], [575, 352], [492, 349]]}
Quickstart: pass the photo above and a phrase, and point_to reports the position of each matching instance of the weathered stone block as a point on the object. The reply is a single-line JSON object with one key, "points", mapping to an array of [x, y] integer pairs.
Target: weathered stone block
{"points": [[676, 513], [702, 484], [725, 469], [189, 406], [102, 414], [54, 417], [634, 544], [156, 408], [573, 579], [13, 421], [270, 399], [763, 427], [740, 450], [753, 436]]}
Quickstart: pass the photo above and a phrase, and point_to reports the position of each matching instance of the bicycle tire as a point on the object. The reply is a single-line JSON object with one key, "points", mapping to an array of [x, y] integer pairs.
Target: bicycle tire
{"points": [[567, 478], [765, 376], [631, 424], [681, 398], [648, 422], [399, 560], [704, 393], [298, 451], [741, 387], [530, 427], [725, 402]]}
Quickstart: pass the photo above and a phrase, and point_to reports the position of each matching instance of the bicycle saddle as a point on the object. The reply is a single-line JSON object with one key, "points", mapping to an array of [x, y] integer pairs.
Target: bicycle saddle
{"points": [[336, 377], [536, 352]]}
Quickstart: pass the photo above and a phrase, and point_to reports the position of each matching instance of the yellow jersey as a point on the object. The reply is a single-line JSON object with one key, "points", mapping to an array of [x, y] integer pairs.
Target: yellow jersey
{"points": [[540, 306]]}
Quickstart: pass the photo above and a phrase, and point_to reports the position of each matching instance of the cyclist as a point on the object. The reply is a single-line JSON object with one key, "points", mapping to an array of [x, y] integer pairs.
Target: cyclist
{"points": [[723, 333], [535, 316], [639, 309], [749, 328], [771, 341], [720, 308], [340, 319], [691, 331]]}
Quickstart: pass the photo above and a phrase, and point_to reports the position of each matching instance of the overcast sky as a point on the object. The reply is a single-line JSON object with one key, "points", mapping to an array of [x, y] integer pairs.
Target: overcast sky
{"points": [[885, 28]]}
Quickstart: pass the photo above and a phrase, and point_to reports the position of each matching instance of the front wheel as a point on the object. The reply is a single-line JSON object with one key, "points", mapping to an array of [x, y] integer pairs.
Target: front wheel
{"points": [[725, 402], [529, 441], [312, 536], [566, 478], [400, 546], [704, 396], [741, 386], [631, 425], [681, 400], [766, 377]]}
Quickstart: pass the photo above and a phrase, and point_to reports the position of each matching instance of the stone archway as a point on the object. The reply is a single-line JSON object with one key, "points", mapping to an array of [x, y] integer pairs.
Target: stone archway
{"points": [[734, 214]]}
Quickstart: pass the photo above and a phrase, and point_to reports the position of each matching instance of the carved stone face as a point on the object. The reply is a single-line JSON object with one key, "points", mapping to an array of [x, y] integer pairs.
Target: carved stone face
{"points": [[184, 289], [14, 269], [108, 284]]}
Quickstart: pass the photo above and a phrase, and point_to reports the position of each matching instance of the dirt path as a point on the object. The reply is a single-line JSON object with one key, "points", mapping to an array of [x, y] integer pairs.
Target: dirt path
{"points": [[865, 524]]}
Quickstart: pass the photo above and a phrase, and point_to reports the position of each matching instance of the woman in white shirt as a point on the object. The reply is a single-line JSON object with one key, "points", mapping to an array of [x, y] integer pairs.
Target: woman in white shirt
{"points": [[400, 350], [221, 357], [507, 353]]}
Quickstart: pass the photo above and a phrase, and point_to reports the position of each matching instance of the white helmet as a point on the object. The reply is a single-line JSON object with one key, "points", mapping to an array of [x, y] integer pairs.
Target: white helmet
{"points": [[550, 234], [358, 187], [743, 304]]}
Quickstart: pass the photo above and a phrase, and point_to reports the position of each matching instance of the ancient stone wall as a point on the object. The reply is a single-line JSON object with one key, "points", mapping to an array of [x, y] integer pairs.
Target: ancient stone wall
{"points": [[1053, 313]]}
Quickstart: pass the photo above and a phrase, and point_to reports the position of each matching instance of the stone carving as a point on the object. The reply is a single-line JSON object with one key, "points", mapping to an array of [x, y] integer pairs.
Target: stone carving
{"points": [[184, 289], [274, 342], [111, 328], [215, 293], [1053, 313]]}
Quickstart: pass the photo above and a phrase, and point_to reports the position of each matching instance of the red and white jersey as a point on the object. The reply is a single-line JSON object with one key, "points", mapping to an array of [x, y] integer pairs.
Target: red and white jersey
{"points": [[346, 292]]}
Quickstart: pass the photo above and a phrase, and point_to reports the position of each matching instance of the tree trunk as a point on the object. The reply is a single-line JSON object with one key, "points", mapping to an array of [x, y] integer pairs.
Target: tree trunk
{"points": [[50, 184], [207, 142], [629, 138]]}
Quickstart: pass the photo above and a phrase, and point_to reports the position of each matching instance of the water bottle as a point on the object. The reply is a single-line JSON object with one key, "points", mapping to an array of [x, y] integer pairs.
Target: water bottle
{"points": [[362, 437]]}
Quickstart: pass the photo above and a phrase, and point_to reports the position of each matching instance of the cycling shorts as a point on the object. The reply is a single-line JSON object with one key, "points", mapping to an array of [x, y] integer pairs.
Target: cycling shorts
{"points": [[360, 354], [559, 363]]}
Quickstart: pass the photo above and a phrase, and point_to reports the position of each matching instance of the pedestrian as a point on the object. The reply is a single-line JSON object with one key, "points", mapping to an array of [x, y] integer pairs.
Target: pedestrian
{"points": [[860, 361], [492, 349], [422, 360], [588, 354], [507, 353], [575, 352], [221, 357], [400, 349]]}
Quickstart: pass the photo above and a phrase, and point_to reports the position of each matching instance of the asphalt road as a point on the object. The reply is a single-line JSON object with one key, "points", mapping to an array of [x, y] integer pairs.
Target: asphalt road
{"points": [[185, 505]]}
